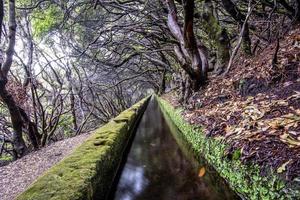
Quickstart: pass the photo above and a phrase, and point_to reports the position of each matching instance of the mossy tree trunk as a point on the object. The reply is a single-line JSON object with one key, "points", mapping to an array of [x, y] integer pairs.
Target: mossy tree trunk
{"points": [[239, 17], [217, 35]]}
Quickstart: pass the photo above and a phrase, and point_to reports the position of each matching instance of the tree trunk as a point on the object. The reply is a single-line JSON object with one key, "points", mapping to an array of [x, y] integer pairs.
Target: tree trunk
{"points": [[190, 52], [31, 127], [218, 36], [182, 86], [297, 13], [72, 104], [16, 119], [1, 17], [162, 87], [72, 100], [236, 14], [192, 45], [187, 91]]}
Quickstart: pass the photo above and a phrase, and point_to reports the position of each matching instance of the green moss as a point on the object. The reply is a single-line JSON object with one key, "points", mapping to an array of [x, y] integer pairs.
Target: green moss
{"points": [[216, 33], [89, 171], [6, 158], [244, 179]]}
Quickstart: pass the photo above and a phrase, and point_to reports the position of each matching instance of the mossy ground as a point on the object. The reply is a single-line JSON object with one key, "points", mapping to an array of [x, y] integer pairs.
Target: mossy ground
{"points": [[89, 171], [246, 180]]}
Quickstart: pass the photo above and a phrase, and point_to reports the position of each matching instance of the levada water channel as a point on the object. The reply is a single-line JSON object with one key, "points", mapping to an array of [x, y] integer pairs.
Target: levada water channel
{"points": [[158, 167]]}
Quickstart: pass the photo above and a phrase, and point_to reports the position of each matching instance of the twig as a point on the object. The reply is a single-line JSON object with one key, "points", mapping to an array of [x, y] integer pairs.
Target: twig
{"points": [[278, 36], [78, 131], [275, 59], [256, 46], [236, 49], [97, 2]]}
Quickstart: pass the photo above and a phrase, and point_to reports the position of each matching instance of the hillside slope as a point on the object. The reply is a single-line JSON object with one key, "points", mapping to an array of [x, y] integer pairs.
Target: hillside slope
{"points": [[255, 108]]}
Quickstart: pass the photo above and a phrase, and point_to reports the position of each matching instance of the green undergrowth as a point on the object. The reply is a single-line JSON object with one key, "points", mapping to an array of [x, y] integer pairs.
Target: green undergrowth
{"points": [[246, 180], [89, 171]]}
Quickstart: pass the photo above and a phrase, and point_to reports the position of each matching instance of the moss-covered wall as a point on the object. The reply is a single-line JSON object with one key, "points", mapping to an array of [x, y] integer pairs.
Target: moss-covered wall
{"points": [[89, 171], [246, 180]]}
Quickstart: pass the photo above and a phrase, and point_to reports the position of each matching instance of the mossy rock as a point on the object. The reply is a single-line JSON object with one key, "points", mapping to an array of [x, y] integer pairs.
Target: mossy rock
{"points": [[88, 172]]}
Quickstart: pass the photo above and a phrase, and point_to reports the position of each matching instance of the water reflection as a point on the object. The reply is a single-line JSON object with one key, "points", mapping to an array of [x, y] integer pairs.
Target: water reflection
{"points": [[156, 168], [135, 179]]}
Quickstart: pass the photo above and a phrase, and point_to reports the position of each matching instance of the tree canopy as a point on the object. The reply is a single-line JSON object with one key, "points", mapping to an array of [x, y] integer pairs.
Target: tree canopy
{"points": [[68, 66]]}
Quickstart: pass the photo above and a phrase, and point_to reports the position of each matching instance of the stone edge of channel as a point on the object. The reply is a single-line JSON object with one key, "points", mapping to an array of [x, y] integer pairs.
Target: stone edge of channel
{"points": [[88, 172]]}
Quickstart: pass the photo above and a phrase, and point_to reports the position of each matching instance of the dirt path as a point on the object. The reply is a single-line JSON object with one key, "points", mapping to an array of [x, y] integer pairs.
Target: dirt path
{"points": [[17, 176]]}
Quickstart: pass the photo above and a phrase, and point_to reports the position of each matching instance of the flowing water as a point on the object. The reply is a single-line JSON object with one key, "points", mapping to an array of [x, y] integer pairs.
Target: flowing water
{"points": [[157, 168]]}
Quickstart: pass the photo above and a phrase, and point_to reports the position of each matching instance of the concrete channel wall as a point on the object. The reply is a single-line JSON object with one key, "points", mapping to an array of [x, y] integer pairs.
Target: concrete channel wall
{"points": [[88, 172]]}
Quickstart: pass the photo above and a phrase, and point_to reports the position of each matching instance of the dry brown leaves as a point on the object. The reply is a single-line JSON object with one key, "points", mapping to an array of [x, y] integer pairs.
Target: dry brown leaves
{"points": [[264, 119]]}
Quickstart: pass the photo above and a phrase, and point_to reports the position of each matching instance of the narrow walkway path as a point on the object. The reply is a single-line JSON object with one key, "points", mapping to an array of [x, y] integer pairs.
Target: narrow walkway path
{"points": [[17, 176]]}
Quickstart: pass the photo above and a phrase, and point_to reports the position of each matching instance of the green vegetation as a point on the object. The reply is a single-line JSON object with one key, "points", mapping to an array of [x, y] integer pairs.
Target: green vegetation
{"points": [[244, 179], [45, 20], [89, 171], [5, 157]]}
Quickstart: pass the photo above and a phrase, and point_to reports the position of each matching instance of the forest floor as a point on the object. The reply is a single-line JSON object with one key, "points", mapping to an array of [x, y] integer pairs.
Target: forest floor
{"points": [[255, 108], [18, 175]]}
